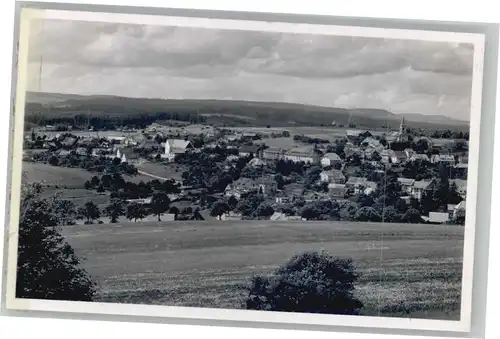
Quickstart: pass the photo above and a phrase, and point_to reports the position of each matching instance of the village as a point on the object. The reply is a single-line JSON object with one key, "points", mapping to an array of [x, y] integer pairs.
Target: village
{"points": [[204, 172]]}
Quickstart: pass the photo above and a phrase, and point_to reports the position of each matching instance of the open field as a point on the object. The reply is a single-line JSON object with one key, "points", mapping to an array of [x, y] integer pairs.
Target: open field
{"points": [[65, 177], [54, 175], [79, 196], [416, 268]]}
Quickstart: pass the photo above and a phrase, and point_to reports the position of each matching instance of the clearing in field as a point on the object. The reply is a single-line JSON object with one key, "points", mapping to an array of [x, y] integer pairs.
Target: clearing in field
{"points": [[416, 272]]}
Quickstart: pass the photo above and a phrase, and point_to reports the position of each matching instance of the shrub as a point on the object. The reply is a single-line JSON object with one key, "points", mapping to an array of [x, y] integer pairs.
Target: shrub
{"points": [[312, 282]]}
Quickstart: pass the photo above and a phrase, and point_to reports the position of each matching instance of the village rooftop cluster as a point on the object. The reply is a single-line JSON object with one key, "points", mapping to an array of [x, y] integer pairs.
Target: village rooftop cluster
{"points": [[197, 171]]}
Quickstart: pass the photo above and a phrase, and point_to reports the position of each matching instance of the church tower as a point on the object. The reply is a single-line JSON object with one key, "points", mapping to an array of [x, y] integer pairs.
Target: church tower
{"points": [[402, 126]]}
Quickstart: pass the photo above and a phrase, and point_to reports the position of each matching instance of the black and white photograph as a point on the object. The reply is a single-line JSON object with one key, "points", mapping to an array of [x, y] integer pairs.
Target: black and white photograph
{"points": [[245, 170]]}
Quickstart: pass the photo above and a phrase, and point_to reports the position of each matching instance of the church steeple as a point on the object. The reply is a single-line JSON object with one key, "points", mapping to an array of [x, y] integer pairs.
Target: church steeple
{"points": [[402, 126]]}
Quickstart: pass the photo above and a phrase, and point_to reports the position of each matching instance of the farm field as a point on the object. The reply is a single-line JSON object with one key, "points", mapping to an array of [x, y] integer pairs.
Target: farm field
{"points": [[65, 177], [415, 271], [54, 175], [329, 133]]}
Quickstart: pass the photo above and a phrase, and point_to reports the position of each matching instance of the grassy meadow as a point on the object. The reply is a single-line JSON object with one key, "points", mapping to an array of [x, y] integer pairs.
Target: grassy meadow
{"points": [[406, 270]]}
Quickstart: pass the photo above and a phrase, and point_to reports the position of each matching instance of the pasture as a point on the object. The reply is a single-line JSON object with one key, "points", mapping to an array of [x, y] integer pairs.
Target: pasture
{"points": [[406, 270], [50, 175], [65, 177]]}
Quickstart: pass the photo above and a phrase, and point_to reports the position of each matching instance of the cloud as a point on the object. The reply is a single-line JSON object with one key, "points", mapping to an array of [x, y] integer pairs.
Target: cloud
{"points": [[179, 62]]}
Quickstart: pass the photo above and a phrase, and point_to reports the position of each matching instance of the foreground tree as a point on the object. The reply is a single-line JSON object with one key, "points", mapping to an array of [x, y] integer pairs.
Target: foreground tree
{"points": [[312, 282], [47, 267]]}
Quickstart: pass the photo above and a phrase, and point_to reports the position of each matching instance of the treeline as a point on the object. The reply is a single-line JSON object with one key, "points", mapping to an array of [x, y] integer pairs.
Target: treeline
{"points": [[103, 121], [90, 163]]}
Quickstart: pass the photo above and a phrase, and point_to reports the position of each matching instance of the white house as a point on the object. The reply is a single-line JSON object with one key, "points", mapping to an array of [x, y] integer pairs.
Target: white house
{"points": [[330, 159], [303, 154], [174, 147], [332, 176]]}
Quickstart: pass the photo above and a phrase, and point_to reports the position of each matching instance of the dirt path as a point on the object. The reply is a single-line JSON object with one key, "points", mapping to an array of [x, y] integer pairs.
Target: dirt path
{"points": [[151, 175]]}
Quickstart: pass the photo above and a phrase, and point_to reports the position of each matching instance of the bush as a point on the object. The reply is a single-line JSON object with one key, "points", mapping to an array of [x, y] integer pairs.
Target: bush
{"points": [[312, 282]]}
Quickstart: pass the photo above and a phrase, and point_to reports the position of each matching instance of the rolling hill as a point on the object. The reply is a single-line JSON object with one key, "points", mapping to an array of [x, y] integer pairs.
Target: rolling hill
{"points": [[227, 112]]}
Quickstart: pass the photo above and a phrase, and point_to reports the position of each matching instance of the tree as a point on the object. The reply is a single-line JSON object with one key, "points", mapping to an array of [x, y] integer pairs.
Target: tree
{"points": [[312, 282], [47, 267], [159, 204], [53, 160], [115, 209], [94, 181], [219, 208], [390, 214], [136, 211], [367, 214], [65, 211], [264, 210], [412, 216], [90, 211]]}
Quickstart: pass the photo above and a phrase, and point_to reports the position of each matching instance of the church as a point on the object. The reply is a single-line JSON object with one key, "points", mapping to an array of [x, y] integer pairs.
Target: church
{"points": [[401, 135]]}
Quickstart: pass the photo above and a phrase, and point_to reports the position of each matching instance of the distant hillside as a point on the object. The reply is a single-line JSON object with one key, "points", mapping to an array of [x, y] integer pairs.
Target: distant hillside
{"points": [[437, 119], [226, 112]]}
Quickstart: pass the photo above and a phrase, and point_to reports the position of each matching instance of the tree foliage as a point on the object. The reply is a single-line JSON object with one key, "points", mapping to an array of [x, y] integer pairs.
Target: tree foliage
{"points": [[312, 282], [47, 267]]}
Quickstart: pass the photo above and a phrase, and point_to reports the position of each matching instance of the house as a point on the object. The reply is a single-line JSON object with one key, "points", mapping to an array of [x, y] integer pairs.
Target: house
{"points": [[437, 217], [399, 157], [443, 158], [267, 185], [278, 216], [247, 150], [303, 154], [174, 147], [63, 153], [357, 184], [370, 187], [422, 186], [315, 196], [232, 158], [273, 153], [351, 133], [256, 162], [459, 210], [417, 156], [231, 216], [283, 199], [241, 187], [331, 159], [387, 155], [406, 184], [332, 176], [336, 191], [371, 142], [461, 170], [351, 150], [461, 186], [81, 151]]}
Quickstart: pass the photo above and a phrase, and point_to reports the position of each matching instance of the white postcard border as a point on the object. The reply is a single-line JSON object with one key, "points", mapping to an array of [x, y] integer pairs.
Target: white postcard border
{"points": [[478, 40]]}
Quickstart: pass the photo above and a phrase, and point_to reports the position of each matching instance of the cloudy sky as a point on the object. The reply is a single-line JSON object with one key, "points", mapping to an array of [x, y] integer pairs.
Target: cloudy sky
{"points": [[179, 62]]}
